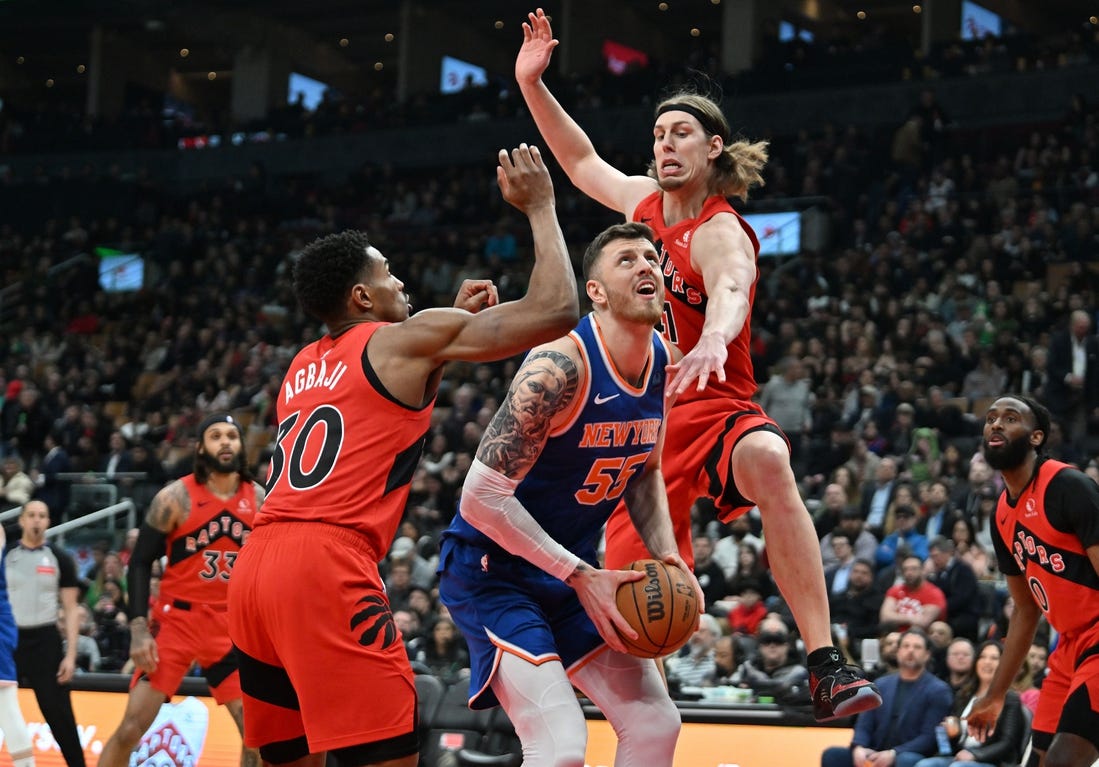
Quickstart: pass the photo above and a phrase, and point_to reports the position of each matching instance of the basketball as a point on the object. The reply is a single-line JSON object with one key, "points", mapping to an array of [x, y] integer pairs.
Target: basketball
{"points": [[662, 608]]}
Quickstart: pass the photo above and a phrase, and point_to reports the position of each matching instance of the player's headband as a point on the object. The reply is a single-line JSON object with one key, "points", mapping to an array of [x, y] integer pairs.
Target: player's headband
{"points": [[708, 123], [210, 420]]}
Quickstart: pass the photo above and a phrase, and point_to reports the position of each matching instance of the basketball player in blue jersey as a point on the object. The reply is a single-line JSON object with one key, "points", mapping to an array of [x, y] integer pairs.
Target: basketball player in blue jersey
{"points": [[582, 426]]}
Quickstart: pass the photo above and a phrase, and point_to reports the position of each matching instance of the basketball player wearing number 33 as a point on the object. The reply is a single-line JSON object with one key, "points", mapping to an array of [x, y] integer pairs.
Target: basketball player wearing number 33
{"points": [[581, 428], [323, 667]]}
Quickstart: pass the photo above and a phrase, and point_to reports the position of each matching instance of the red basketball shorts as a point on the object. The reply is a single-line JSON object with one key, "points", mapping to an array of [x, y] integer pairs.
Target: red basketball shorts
{"points": [[186, 633], [1074, 664], [698, 447], [321, 658]]}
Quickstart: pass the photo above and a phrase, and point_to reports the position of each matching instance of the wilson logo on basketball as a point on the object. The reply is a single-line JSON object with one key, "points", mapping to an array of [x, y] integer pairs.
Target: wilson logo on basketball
{"points": [[654, 594], [376, 622]]}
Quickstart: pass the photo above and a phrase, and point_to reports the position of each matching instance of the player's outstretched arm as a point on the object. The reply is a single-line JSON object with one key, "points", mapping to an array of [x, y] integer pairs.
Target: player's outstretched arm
{"points": [[589, 172], [547, 311]]}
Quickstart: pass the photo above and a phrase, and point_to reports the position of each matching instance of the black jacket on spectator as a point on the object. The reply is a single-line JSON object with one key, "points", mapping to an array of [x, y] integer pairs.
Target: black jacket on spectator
{"points": [[963, 603]]}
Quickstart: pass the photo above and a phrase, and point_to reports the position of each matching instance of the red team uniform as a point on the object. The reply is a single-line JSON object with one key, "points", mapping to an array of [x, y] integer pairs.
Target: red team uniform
{"points": [[703, 427], [335, 497], [189, 621], [1043, 536]]}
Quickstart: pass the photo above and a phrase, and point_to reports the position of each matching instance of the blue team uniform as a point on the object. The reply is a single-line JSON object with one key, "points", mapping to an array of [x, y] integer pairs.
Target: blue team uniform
{"points": [[504, 603], [9, 634]]}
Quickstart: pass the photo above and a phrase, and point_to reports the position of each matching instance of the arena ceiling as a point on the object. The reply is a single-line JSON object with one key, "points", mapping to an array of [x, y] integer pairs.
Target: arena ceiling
{"points": [[346, 40]]}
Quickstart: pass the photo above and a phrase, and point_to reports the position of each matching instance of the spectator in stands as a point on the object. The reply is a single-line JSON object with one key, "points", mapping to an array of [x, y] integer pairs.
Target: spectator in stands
{"points": [[695, 662], [747, 608], [17, 488], [902, 730], [914, 601], [726, 662], [877, 495], [851, 525], [904, 535], [420, 572], [709, 573], [775, 670], [941, 635], [788, 398], [1072, 392], [939, 513], [958, 583], [958, 670], [858, 608], [837, 575], [727, 548], [88, 657], [118, 458], [750, 569], [52, 490], [833, 504], [444, 652]]}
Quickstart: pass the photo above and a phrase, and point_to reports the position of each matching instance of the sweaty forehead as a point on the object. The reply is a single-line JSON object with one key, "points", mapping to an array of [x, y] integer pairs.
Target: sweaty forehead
{"points": [[673, 117]]}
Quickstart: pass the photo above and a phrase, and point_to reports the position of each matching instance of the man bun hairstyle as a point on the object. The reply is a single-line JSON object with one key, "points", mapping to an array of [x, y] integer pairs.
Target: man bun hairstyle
{"points": [[325, 271], [739, 167]]}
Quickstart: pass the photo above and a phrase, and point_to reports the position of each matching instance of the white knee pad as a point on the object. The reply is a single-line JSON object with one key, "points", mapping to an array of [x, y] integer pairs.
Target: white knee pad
{"points": [[541, 704], [631, 694], [16, 735]]}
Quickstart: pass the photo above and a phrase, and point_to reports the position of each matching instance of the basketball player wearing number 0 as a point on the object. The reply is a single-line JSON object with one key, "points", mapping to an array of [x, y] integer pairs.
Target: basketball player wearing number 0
{"points": [[1046, 536], [323, 667], [581, 428]]}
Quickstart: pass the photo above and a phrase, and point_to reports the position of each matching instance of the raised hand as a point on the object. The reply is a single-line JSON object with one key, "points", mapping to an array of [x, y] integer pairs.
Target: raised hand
{"points": [[524, 179], [538, 45]]}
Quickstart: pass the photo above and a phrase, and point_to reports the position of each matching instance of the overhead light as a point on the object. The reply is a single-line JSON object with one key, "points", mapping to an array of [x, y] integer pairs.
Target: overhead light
{"points": [[211, 76], [81, 69], [917, 9], [498, 24], [378, 66], [861, 15], [389, 37], [695, 31], [184, 52], [663, 6], [20, 60], [49, 83], [344, 42]]}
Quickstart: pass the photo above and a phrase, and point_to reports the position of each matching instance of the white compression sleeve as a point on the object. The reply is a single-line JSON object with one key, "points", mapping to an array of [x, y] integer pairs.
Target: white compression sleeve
{"points": [[17, 737], [490, 505]]}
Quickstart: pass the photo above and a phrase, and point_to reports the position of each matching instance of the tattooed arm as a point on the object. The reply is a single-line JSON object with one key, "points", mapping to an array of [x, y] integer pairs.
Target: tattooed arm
{"points": [[169, 508], [542, 395]]}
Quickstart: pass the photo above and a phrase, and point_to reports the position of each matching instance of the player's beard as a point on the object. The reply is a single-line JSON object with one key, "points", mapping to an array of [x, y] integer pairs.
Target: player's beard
{"points": [[624, 306], [1010, 455], [216, 465]]}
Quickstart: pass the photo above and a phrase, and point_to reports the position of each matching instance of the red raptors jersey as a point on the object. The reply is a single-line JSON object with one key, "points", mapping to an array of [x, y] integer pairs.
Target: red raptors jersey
{"points": [[346, 449], [202, 550], [685, 305], [1044, 537]]}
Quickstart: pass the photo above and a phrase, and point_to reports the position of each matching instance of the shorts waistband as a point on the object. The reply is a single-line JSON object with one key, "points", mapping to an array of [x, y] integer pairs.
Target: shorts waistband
{"points": [[183, 604], [279, 530]]}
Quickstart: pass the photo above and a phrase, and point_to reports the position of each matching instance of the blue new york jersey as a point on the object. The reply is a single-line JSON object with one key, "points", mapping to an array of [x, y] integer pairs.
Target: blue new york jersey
{"points": [[587, 465]]}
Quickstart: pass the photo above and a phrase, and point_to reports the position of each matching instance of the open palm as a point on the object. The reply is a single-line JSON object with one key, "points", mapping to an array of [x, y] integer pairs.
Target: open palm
{"points": [[538, 45]]}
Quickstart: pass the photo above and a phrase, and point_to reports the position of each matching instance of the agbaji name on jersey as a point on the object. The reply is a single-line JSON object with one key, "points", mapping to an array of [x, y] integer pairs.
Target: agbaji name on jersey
{"points": [[313, 376]]}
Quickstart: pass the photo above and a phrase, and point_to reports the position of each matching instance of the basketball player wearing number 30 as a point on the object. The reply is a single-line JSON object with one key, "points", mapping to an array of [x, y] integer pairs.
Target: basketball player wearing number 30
{"points": [[200, 521], [720, 444], [581, 428], [354, 412], [1046, 536]]}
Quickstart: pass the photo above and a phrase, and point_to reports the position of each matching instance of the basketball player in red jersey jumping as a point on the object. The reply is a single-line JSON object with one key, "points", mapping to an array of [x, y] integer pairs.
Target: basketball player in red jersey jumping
{"points": [[1046, 535], [353, 412], [200, 521], [719, 443]]}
